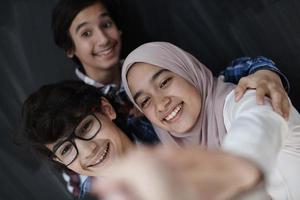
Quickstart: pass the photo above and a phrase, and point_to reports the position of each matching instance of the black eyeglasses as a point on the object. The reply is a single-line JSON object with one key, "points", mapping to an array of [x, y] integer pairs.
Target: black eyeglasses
{"points": [[66, 151]]}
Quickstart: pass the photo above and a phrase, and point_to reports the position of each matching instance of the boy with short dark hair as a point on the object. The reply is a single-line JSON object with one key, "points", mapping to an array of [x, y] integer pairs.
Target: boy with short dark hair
{"points": [[72, 124], [88, 33]]}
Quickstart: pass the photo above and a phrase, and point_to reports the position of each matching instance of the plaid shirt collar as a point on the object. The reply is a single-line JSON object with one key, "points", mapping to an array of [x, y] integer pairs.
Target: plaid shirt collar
{"points": [[108, 90], [88, 80]]}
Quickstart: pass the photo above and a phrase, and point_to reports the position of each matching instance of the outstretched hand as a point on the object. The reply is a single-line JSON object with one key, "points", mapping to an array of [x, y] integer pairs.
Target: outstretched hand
{"points": [[175, 174], [266, 83]]}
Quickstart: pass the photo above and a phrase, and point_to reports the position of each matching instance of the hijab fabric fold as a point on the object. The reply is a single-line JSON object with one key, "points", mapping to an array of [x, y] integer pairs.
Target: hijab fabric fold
{"points": [[209, 129]]}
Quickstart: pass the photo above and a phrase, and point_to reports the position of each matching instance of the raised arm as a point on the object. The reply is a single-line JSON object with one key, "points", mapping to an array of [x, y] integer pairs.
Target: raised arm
{"points": [[253, 131], [262, 74]]}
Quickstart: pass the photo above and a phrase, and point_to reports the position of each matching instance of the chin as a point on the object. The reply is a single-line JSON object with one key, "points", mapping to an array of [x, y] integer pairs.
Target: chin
{"points": [[187, 128], [182, 132], [113, 62]]}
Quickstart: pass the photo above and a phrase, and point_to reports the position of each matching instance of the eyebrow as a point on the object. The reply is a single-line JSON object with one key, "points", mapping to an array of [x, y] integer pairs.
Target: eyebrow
{"points": [[153, 78], [157, 74], [55, 147], [101, 15], [60, 141]]}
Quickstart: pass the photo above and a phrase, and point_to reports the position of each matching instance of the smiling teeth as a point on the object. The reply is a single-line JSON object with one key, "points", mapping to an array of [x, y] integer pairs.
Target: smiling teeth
{"points": [[103, 156], [105, 52], [174, 113]]}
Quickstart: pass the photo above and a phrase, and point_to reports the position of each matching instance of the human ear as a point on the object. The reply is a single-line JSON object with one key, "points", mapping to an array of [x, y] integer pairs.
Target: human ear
{"points": [[107, 108], [70, 53]]}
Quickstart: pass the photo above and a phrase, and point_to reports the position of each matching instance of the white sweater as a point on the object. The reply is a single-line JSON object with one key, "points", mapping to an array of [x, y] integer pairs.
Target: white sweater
{"points": [[258, 133]]}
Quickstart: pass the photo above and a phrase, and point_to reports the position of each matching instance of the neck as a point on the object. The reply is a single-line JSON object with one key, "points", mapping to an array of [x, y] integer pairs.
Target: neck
{"points": [[105, 76], [127, 144]]}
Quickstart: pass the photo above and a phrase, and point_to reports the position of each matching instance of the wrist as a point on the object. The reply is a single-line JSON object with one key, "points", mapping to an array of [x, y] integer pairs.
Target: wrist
{"points": [[246, 175]]}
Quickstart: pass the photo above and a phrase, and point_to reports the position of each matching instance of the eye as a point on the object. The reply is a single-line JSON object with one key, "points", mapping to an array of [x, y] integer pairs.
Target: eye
{"points": [[86, 34], [145, 102], [66, 149], [165, 82], [85, 128], [107, 24]]}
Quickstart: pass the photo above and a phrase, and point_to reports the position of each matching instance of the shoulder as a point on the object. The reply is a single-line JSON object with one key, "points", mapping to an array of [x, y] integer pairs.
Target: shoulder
{"points": [[247, 105], [247, 102]]}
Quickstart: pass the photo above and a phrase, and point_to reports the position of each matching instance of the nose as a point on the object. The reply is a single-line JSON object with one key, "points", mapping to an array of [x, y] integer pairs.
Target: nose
{"points": [[162, 103], [85, 148], [102, 37]]}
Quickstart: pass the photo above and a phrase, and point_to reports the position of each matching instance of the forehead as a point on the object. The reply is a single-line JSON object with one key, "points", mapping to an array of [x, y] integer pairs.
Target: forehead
{"points": [[66, 131], [141, 66], [142, 75], [88, 14], [141, 71]]}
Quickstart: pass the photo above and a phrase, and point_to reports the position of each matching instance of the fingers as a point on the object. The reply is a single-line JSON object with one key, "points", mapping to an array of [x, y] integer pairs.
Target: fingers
{"points": [[280, 103], [279, 99], [239, 92], [276, 101], [116, 191], [261, 92], [270, 82], [241, 88], [266, 83], [286, 108]]}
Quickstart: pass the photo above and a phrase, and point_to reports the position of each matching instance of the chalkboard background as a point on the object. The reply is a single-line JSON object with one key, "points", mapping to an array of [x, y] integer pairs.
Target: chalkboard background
{"points": [[215, 31]]}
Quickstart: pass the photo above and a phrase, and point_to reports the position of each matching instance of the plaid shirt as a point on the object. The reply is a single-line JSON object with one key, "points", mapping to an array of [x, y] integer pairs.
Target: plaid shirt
{"points": [[85, 187], [244, 66]]}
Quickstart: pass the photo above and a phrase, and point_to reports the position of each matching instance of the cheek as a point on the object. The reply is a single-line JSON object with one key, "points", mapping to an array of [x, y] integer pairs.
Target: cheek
{"points": [[192, 96], [76, 167], [112, 135], [114, 138], [196, 103], [82, 46], [151, 115], [114, 33], [115, 36]]}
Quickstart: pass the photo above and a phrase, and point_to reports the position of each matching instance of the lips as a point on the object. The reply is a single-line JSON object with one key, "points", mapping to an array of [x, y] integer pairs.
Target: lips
{"points": [[173, 113], [105, 51], [100, 156]]}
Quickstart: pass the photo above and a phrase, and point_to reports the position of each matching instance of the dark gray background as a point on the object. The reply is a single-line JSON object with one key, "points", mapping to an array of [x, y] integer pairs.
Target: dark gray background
{"points": [[215, 31]]}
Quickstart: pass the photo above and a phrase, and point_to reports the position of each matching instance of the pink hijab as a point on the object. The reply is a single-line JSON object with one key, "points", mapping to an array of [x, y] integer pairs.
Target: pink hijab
{"points": [[209, 130]]}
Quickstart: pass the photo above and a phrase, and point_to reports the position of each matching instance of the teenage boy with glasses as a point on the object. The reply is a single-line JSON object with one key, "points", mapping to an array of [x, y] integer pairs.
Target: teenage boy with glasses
{"points": [[72, 124]]}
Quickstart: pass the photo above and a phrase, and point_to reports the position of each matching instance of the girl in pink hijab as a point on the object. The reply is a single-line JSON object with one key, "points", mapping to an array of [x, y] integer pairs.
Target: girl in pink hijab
{"points": [[187, 105]]}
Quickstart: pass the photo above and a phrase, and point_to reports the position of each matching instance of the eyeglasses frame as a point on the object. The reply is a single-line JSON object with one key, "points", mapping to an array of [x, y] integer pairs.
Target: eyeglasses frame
{"points": [[71, 138]]}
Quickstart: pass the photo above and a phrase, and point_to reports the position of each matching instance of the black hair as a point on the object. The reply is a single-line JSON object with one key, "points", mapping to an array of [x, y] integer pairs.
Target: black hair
{"points": [[54, 110], [64, 13]]}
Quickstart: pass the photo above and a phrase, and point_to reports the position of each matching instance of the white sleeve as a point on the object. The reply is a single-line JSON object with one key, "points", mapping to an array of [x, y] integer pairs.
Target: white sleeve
{"points": [[253, 131]]}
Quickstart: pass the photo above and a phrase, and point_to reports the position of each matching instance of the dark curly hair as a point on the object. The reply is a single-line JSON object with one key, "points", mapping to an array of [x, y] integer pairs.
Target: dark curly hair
{"points": [[64, 13], [54, 110]]}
